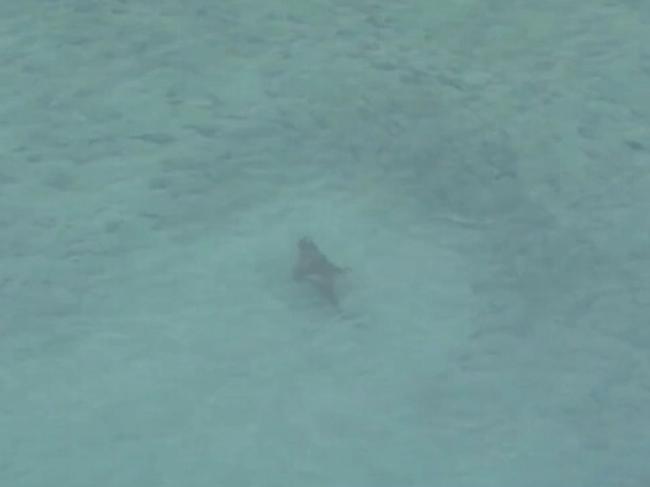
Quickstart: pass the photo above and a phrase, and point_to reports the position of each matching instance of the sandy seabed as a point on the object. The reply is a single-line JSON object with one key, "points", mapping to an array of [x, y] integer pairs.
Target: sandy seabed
{"points": [[482, 166]]}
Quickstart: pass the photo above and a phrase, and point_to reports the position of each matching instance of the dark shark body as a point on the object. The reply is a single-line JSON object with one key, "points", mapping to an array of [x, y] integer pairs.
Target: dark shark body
{"points": [[315, 268]]}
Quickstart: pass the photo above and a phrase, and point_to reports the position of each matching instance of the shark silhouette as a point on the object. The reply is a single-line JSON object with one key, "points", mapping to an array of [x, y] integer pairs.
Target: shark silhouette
{"points": [[315, 268]]}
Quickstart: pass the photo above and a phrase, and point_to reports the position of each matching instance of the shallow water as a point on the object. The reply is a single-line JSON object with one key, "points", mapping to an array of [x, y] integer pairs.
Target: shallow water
{"points": [[482, 167]]}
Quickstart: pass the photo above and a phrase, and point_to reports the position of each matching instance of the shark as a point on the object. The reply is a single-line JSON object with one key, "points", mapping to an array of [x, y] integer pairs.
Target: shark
{"points": [[313, 267]]}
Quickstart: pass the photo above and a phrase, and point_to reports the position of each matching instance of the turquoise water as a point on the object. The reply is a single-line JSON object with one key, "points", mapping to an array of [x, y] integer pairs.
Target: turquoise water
{"points": [[483, 167]]}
